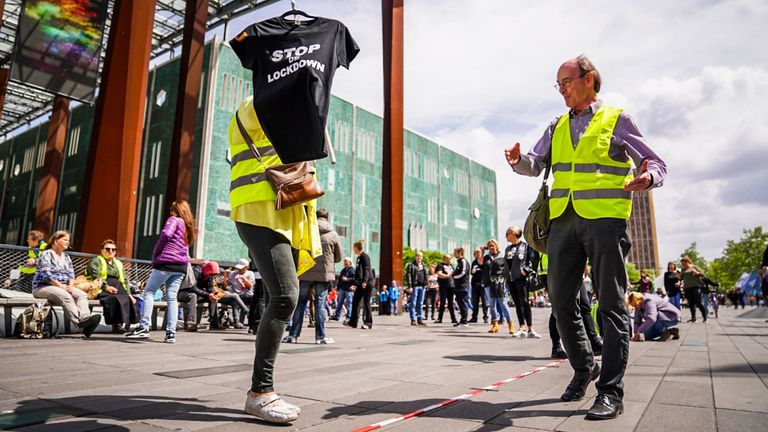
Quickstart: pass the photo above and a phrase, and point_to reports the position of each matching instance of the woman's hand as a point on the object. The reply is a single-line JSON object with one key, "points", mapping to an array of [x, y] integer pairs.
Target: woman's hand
{"points": [[111, 290], [133, 299]]}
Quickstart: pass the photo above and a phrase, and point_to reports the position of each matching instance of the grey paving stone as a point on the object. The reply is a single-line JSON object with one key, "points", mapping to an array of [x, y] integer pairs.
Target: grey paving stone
{"points": [[741, 421], [648, 360], [678, 418], [81, 424], [543, 412], [689, 394]]}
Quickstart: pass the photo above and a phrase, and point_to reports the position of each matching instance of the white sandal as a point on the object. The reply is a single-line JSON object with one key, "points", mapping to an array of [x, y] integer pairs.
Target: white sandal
{"points": [[271, 408]]}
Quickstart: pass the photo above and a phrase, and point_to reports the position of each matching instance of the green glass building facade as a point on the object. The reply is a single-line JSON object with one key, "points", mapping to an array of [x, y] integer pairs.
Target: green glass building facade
{"points": [[449, 200]]}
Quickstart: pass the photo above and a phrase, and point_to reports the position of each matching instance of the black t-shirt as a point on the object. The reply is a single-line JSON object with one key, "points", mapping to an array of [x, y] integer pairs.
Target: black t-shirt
{"points": [[293, 67]]}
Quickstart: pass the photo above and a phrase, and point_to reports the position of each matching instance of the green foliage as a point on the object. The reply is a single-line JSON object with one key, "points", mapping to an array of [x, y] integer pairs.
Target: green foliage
{"points": [[740, 257], [632, 272], [430, 257], [693, 253]]}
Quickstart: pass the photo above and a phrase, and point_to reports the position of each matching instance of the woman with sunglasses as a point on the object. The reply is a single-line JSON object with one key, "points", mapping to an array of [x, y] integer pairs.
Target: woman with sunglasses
{"points": [[119, 305]]}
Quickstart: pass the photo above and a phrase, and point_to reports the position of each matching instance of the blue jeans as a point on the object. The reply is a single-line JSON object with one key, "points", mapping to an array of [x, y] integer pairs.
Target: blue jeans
{"points": [[675, 300], [321, 291], [172, 281], [499, 310], [658, 327], [415, 304], [393, 306], [344, 299]]}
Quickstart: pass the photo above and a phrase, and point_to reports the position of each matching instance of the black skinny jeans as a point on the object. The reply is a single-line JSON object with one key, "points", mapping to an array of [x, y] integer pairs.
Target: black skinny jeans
{"points": [[479, 296], [362, 295], [518, 289], [693, 295], [430, 300], [276, 261], [446, 299]]}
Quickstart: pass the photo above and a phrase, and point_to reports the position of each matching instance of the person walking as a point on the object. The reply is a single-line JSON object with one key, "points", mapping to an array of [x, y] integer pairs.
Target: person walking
{"points": [[52, 281], [416, 281], [461, 285], [520, 266], [589, 150], [494, 268], [345, 290], [170, 259], [692, 280], [478, 287], [318, 277], [364, 285], [672, 284], [444, 272]]}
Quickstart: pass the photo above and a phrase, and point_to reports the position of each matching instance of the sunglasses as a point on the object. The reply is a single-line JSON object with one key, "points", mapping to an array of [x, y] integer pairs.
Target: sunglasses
{"points": [[109, 249]]}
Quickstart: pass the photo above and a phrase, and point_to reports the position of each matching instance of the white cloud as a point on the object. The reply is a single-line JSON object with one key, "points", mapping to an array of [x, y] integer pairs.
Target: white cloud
{"points": [[693, 73]]}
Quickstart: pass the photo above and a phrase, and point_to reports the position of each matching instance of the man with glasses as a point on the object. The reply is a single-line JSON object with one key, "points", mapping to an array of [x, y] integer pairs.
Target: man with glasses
{"points": [[590, 150]]}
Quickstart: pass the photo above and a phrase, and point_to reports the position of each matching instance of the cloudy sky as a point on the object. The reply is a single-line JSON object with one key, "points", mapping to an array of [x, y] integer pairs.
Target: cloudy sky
{"points": [[479, 76]]}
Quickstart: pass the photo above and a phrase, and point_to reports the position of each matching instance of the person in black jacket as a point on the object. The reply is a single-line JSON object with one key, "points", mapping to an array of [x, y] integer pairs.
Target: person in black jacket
{"points": [[521, 264], [444, 273], [478, 287], [461, 285], [346, 287], [364, 282], [416, 280], [202, 291], [672, 284]]}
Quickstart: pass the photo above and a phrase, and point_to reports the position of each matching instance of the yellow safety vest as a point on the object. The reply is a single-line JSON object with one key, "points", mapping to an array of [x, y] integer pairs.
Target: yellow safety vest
{"points": [[252, 197], [120, 272], [586, 175], [543, 264], [33, 253]]}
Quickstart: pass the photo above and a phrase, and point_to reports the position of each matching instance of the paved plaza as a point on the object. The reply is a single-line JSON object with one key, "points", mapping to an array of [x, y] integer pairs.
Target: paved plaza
{"points": [[714, 378]]}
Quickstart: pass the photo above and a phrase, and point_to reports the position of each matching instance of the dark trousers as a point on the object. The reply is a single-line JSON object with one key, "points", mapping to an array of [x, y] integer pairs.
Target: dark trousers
{"points": [[518, 290], [276, 261], [605, 242], [446, 299], [462, 297], [429, 302], [693, 295], [362, 295], [478, 295], [190, 309], [258, 302], [585, 308]]}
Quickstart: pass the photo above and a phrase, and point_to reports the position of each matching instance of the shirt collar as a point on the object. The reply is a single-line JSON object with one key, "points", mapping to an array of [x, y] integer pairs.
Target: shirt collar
{"points": [[591, 109]]}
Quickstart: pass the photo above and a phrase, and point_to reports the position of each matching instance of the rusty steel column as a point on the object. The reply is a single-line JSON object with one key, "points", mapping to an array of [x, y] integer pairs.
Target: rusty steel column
{"points": [[190, 77], [108, 200], [48, 188], [392, 170]]}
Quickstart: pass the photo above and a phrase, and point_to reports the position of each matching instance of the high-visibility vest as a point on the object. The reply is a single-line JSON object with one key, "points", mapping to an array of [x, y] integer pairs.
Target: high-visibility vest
{"points": [[587, 175], [543, 264], [120, 272], [33, 253], [248, 182]]}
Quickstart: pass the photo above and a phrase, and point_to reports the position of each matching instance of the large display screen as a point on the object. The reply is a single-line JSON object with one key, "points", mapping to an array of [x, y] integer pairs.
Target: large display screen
{"points": [[58, 45]]}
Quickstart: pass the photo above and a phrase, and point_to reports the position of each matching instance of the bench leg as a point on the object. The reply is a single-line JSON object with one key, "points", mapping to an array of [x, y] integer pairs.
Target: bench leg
{"points": [[153, 324], [8, 321]]}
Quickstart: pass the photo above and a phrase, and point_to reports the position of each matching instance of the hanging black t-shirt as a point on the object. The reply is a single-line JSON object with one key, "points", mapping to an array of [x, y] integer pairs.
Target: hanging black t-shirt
{"points": [[293, 67]]}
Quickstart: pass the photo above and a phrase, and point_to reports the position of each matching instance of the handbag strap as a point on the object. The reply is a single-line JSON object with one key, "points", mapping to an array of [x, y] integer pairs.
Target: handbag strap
{"points": [[247, 138]]}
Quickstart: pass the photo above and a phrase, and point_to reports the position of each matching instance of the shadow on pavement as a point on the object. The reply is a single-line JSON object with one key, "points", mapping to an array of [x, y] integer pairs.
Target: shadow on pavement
{"points": [[495, 416], [36, 412], [480, 358]]}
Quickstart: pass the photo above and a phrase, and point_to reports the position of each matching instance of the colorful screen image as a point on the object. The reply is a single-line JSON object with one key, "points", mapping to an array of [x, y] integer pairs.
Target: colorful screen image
{"points": [[58, 45]]}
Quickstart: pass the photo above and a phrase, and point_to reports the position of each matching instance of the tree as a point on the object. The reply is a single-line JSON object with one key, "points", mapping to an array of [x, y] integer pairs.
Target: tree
{"points": [[696, 258], [430, 257], [740, 257], [632, 272]]}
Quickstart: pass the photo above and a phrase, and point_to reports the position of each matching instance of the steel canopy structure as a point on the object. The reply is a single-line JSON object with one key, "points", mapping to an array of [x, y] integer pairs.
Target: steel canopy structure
{"points": [[24, 104]]}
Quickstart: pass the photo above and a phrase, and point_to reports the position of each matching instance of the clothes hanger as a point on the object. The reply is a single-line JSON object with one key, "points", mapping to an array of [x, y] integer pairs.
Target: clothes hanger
{"points": [[296, 14]]}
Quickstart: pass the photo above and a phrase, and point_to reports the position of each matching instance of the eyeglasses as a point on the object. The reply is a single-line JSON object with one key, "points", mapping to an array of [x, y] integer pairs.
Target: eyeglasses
{"points": [[566, 82], [108, 249]]}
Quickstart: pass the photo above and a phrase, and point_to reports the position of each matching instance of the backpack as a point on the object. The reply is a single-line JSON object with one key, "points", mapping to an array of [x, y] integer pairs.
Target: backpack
{"points": [[37, 322]]}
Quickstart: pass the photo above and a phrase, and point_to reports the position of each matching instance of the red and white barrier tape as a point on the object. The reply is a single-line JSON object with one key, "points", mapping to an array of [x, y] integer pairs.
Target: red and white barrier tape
{"points": [[447, 402]]}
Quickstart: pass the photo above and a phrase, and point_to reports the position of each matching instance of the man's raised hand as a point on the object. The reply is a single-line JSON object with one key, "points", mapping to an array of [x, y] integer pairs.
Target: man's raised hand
{"points": [[642, 181], [513, 154]]}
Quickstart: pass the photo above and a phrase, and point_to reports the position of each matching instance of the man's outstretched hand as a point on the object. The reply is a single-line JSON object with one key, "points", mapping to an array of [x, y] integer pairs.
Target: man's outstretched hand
{"points": [[642, 181], [513, 154]]}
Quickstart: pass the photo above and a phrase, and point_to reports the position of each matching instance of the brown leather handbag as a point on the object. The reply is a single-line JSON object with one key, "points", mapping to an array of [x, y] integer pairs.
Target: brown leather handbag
{"points": [[294, 183]]}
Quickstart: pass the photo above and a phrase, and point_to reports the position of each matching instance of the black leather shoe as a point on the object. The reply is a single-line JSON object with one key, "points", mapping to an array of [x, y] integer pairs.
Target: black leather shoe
{"points": [[675, 332], [604, 408], [559, 353], [578, 386]]}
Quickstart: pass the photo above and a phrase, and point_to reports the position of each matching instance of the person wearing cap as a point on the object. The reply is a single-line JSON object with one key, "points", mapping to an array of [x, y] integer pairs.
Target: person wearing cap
{"points": [[240, 283], [590, 150]]}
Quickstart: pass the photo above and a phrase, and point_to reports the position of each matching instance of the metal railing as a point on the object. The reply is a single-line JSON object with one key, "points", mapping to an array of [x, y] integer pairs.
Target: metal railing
{"points": [[11, 257]]}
